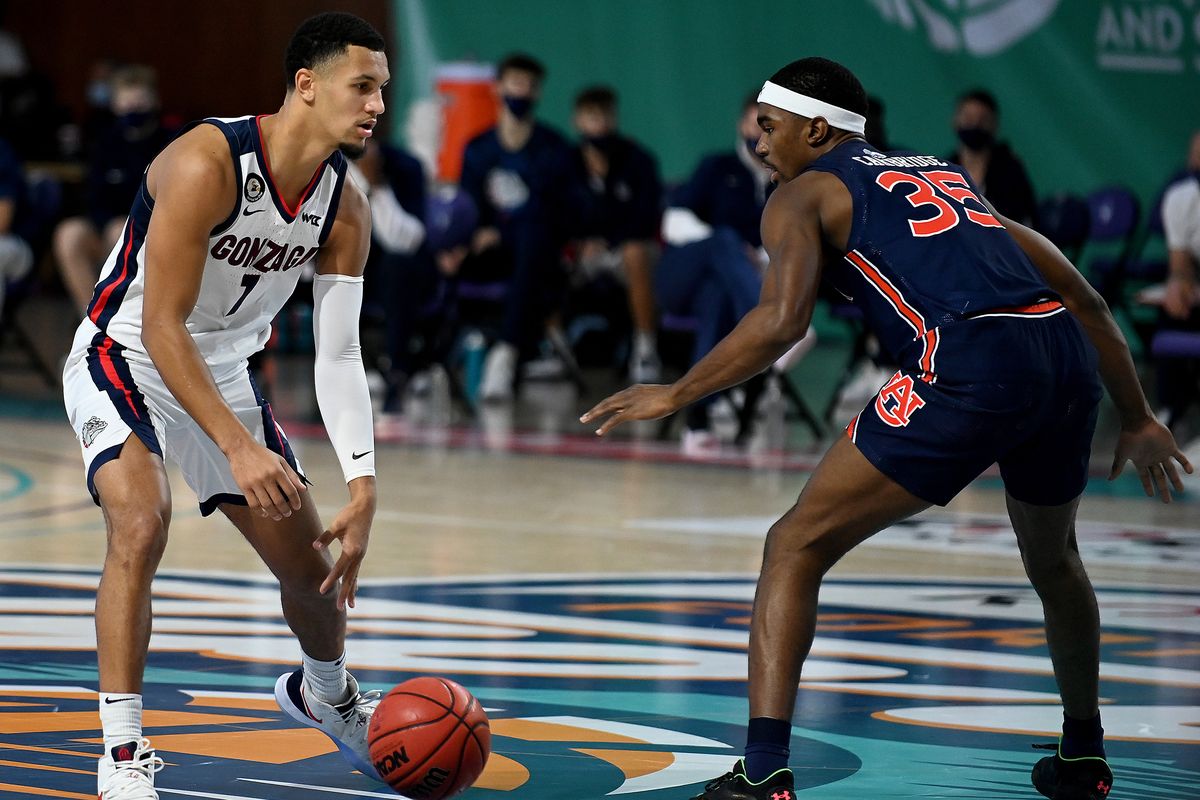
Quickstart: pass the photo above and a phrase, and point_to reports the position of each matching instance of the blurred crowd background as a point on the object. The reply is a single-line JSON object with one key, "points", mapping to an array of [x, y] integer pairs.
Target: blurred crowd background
{"points": [[563, 188]]}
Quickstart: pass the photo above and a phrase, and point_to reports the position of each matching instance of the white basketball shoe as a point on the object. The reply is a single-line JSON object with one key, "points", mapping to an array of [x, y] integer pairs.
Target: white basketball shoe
{"points": [[345, 723], [127, 772]]}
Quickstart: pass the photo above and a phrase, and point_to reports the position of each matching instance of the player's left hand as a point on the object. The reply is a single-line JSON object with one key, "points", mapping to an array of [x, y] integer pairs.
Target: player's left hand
{"points": [[641, 401], [351, 527], [1150, 447]]}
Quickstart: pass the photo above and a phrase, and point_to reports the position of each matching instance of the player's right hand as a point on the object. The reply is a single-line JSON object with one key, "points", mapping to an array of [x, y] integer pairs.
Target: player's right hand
{"points": [[640, 401], [1151, 447], [267, 481]]}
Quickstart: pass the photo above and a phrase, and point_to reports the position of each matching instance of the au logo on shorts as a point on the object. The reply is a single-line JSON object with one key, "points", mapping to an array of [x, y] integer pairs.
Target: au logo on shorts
{"points": [[897, 401], [254, 188], [90, 430]]}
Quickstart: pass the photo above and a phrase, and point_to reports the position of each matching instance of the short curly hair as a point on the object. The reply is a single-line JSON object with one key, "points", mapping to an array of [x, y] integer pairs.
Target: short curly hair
{"points": [[324, 37]]}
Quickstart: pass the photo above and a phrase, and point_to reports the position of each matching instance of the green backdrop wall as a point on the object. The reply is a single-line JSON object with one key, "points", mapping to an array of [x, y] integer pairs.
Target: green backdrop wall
{"points": [[1092, 92]]}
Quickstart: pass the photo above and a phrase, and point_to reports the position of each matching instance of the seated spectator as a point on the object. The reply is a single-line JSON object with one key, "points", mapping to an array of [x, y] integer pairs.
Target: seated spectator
{"points": [[620, 193], [400, 273], [710, 267], [991, 163], [1179, 379], [116, 164], [517, 175], [16, 257]]}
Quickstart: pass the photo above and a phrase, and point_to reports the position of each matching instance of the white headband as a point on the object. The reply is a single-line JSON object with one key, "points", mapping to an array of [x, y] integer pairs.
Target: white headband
{"points": [[810, 107]]}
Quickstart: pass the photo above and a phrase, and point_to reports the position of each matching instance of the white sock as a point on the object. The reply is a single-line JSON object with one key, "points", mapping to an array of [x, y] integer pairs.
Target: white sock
{"points": [[326, 679], [121, 719]]}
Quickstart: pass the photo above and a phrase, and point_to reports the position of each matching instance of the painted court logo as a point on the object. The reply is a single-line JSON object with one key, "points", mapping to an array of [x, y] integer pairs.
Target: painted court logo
{"points": [[978, 27], [604, 685]]}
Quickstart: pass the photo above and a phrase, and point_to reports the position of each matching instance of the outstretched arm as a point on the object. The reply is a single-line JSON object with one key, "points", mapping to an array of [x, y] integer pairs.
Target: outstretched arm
{"points": [[1143, 440], [341, 384], [792, 236], [193, 188]]}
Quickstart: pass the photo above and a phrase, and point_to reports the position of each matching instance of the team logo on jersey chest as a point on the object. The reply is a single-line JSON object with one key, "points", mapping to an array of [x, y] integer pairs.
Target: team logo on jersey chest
{"points": [[254, 188]]}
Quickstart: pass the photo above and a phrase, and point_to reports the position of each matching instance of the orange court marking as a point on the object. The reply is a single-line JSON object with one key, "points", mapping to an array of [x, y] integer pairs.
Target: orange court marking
{"points": [[281, 746], [50, 750], [634, 763], [502, 774], [27, 765], [46, 722], [12, 787], [243, 703], [538, 731]]}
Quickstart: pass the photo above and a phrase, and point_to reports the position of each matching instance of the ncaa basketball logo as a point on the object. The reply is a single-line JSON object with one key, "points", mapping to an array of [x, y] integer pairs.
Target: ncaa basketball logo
{"points": [[254, 188], [980, 27]]}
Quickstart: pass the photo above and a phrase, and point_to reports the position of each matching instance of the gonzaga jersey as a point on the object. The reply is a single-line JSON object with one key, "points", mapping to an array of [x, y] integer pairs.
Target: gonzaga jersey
{"points": [[924, 256], [253, 263]]}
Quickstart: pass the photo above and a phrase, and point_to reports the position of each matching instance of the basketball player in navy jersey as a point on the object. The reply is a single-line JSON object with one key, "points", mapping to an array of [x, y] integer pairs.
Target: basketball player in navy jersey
{"points": [[225, 218], [991, 326]]}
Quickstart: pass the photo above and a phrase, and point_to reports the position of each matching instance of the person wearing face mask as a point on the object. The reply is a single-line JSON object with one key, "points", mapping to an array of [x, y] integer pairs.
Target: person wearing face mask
{"points": [[620, 192], [1178, 378], [711, 267], [119, 157], [516, 174], [990, 162]]}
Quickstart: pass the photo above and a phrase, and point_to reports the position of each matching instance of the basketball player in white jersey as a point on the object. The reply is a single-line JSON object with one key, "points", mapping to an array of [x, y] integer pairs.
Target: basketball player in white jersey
{"points": [[226, 217]]}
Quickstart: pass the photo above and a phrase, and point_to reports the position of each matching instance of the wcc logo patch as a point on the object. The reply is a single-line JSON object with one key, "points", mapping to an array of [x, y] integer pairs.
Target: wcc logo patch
{"points": [[254, 188], [90, 430]]}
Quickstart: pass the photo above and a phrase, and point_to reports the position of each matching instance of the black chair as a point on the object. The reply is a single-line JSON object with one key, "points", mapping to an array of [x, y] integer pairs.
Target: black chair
{"points": [[1064, 219], [1114, 213]]}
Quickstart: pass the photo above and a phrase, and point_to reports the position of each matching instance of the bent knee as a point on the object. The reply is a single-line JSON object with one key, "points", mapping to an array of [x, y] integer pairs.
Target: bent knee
{"points": [[800, 537], [138, 537]]}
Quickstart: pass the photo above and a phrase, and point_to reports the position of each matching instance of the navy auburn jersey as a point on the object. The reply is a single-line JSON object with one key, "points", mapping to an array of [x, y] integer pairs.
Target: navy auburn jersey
{"points": [[925, 255]]}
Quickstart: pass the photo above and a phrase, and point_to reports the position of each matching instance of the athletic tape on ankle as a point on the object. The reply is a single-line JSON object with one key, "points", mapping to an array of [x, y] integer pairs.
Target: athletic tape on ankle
{"points": [[811, 107]]}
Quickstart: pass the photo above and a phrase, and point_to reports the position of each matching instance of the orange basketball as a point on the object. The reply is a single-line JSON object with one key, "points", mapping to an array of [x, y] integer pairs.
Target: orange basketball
{"points": [[429, 738]]}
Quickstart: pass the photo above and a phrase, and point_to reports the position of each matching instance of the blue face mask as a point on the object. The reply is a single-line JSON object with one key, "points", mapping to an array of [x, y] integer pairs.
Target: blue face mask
{"points": [[98, 94], [135, 119], [520, 107]]}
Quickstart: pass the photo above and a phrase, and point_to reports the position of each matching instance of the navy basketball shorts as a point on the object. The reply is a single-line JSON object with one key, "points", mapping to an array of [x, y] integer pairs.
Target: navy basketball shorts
{"points": [[1033, 414]]}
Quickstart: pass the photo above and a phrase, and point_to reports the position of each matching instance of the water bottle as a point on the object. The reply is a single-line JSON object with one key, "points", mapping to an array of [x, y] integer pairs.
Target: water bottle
{"points": [[474, 349]]}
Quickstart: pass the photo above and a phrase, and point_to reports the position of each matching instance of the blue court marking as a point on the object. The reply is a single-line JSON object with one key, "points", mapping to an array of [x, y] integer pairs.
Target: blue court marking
{"points": [[14, 482]]}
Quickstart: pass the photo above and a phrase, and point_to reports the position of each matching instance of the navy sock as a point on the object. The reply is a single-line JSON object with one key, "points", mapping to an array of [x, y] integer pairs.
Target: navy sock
{"points": [[1082, 737], [767, 747]]}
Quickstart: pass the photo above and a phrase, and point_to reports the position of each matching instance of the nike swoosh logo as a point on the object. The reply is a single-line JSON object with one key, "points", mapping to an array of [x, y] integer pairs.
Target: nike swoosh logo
{"points": [[357, 456], [248, 211], [108, 701]]}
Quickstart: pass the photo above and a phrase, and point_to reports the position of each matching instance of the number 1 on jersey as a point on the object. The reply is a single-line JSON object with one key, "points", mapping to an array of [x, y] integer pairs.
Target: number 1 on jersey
{"points": [[927, 183], [249, 281]]}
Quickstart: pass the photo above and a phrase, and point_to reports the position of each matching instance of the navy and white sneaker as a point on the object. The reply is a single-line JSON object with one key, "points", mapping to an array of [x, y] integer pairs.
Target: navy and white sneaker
{"points": [[345, 723]]}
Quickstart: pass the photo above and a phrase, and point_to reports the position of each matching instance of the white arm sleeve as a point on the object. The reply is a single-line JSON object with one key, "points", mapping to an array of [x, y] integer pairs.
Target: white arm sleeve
{"points": [[341, 381], [681, 226]]}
